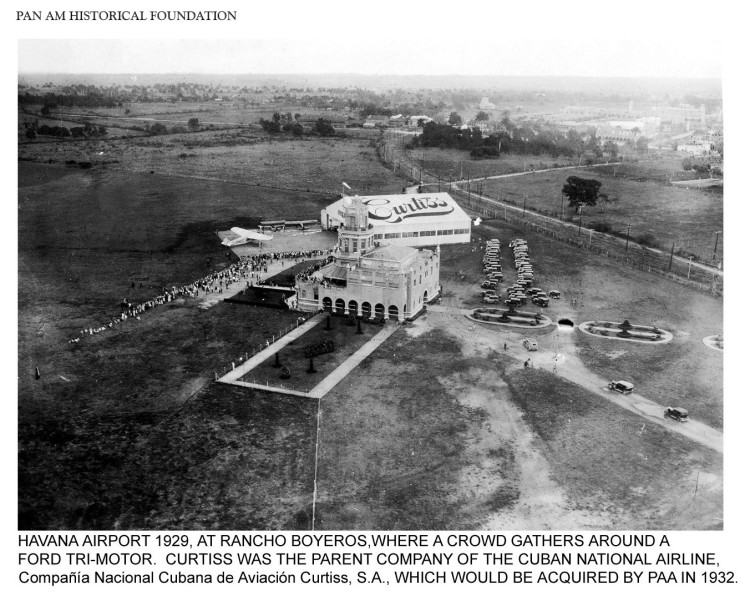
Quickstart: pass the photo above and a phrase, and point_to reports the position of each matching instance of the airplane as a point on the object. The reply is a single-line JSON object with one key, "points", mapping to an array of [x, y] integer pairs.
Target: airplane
{"points": [[245, 237]]}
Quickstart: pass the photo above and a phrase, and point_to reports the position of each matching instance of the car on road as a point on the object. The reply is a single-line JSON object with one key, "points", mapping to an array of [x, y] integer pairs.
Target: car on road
{"points": [[678, 414], [530, 344], [624, 387]]}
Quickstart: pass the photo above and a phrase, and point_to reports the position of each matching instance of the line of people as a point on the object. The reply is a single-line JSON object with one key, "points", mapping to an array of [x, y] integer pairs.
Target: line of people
{"points": [[248, 268]]}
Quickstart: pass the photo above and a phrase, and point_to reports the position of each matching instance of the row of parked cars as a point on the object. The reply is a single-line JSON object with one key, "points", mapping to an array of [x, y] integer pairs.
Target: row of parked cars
{"points": [[493, 271]]}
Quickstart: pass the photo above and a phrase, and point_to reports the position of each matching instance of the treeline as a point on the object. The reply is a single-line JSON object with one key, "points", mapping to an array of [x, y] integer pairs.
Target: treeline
{"points": [[511, 139], [291, 124], [87, 131], [87, 100], [435, 135]]}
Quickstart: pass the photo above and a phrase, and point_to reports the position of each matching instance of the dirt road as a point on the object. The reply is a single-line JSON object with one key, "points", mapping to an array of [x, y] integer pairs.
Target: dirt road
{"points": [[563, 361]]}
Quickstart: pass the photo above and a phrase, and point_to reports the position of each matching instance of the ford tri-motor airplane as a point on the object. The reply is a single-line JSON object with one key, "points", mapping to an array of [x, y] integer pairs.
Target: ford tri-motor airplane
{"points": [[245, 236]]}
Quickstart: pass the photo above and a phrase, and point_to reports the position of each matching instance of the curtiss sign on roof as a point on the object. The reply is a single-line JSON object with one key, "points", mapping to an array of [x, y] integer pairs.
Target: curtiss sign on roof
{"points": [[394, 209]]}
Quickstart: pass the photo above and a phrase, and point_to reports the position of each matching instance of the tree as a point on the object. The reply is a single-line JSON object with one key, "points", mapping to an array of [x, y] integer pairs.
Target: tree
{"points": [[158, 129], [30, 134], [297, 129], [193, 123], [45, 111], [641, 146], [324, 128], [611, 149], [581, 192], [482, 116], [270, 126], [455, 119]]}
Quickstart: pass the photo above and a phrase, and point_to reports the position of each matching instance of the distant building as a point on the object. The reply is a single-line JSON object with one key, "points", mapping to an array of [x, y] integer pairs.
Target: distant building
{"points": [[376, 121], [485, 104], [368, 279], [407, 219], [695, 149]]}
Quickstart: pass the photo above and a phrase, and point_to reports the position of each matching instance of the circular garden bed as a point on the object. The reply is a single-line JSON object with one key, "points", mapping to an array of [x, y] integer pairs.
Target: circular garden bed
{"points": [[626, 331], [507, 316]]}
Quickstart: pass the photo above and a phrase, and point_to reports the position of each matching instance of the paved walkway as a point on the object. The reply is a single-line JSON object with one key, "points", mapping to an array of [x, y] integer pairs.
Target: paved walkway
{"points": [[272, 349], [325, 386], [350, 363]]}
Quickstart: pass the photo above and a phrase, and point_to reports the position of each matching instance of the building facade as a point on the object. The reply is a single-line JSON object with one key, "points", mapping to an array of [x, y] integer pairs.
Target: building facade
{"points": [[368, 278]]}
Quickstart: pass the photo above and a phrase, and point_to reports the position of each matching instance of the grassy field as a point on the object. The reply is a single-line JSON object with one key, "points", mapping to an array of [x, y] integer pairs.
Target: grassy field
{"points": [[239, 155], [457, 164], [686, 217], [345, 339], [608, 461], [394, 441], [126, 430], [85, 239], [683, 372]]}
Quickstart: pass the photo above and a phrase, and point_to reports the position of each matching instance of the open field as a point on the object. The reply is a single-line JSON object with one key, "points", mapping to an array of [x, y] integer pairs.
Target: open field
{"points": [[436, 429], [688, 218], [457, 164], [239, 155]]}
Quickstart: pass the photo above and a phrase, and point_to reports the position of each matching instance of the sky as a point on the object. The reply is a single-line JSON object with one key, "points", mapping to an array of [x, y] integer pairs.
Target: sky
{"points": [[391, 56]]}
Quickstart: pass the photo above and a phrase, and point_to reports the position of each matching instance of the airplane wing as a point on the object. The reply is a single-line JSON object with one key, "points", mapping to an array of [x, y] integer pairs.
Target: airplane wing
{"points": [[251, 235]]}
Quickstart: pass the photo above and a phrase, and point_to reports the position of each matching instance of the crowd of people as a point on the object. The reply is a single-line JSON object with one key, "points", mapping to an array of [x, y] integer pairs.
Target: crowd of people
{"points": [[311, 270], [249, 268]]}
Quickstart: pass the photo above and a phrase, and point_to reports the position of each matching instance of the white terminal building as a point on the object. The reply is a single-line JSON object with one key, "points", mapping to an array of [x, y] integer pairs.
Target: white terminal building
{"points": [[368, 278], [407, 219]]}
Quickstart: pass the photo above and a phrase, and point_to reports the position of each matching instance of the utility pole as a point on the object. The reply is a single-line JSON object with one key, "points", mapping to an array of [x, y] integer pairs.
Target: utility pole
{"points": [[716, 245], [671, 254], [562, 208], [524, 206], [580, 218], [690, 264], [627, 239]]}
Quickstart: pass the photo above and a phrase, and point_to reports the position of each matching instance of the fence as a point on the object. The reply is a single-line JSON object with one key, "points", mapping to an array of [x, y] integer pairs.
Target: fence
{"points": [[626, 252]]}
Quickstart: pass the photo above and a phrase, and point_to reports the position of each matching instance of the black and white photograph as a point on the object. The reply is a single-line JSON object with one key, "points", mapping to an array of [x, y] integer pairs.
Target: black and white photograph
{"points": [[285, 285], [395, 268]]}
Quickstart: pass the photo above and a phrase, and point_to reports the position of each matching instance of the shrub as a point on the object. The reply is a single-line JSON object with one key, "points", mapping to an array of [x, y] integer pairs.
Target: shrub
{"points": [[602, 226]]}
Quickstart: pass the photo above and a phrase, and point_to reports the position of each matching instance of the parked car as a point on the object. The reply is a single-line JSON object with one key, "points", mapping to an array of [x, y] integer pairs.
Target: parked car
{"points": [[491, 299], [678, 414], [488, 285], [624, 387], [530, 344], [543, 302]]}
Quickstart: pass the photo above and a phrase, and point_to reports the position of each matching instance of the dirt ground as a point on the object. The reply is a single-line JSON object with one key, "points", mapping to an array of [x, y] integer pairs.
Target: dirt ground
{"points": [[443, 428]]}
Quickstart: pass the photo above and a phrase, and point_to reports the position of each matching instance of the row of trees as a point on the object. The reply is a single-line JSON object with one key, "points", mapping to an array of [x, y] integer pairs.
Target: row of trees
{"points": [[289, 124], [524, 139], [87, 131]]}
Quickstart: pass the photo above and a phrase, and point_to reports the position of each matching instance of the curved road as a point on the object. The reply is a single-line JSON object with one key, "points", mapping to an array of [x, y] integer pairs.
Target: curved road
{"points": [[570, 367]]}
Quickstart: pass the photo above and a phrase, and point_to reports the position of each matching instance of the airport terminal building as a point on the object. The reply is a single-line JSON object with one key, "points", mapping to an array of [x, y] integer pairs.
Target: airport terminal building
{"points": [[408, 219], [368, 278]]}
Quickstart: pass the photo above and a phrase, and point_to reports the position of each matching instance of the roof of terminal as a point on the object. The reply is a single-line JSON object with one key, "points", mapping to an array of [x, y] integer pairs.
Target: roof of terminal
{"points": [[417, 209]]}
